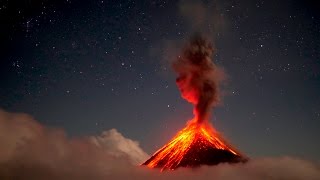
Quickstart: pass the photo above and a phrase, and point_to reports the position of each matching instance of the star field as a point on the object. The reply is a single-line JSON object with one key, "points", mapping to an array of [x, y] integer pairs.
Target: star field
{"points": [[90, 66]]}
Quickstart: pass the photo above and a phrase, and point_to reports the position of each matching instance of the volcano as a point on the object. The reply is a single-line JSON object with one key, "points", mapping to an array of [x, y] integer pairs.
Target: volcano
{"points": [[195, 145], [198, 143]]}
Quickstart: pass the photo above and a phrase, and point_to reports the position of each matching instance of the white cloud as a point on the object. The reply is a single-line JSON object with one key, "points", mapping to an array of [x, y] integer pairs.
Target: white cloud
{"points": [[115, 144]]}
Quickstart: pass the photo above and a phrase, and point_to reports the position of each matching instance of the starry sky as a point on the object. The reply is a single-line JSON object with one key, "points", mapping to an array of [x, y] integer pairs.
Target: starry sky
{"points": [[89, 66]]}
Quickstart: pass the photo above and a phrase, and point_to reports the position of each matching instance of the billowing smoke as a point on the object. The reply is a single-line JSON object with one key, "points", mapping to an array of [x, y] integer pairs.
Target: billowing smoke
{"points": [[29, 150], [198, 77], [205, 17]]}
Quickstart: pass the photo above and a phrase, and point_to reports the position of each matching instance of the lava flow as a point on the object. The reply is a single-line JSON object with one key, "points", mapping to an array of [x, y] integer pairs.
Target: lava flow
{"points": [[198, 143], [195, 145]]}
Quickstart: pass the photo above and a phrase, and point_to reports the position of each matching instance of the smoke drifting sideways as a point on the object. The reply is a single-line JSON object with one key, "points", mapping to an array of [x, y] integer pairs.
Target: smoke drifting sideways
{"points": [[198, 77], [29, 150]]}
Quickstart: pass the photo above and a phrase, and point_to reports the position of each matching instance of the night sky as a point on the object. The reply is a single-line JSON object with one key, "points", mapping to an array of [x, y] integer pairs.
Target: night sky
{"points": [[89, 66]]}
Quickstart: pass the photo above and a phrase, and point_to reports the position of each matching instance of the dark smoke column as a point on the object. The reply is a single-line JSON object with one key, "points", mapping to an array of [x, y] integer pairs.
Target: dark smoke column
{"points": [[198, 77]]}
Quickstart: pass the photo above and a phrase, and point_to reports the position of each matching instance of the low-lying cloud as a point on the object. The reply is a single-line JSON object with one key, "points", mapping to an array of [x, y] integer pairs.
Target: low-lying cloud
{"points": [[29, 150]]}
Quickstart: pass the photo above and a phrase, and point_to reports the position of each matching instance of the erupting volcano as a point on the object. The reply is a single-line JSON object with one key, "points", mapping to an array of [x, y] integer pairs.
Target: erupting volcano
{"points": [[198, 143], [195, 145]]}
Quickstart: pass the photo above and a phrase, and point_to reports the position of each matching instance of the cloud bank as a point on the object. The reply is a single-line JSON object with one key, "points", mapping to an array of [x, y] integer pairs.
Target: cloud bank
{"points": [[29, 150]]}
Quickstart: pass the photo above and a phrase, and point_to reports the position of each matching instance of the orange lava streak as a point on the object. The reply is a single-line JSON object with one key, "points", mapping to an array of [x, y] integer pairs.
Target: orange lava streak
{"points": [[175, 150]]}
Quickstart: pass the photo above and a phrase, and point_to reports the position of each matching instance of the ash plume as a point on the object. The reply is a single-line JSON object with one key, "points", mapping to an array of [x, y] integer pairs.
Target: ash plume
{"points": [[198, 77]]}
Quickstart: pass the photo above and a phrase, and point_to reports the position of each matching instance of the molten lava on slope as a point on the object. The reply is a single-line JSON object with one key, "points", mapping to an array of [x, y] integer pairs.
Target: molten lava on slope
{"points": [[195, 145]]}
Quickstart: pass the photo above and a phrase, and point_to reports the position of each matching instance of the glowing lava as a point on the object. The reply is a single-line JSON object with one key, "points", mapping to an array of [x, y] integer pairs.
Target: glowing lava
{"points": [[194, 145]]}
